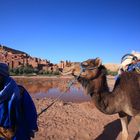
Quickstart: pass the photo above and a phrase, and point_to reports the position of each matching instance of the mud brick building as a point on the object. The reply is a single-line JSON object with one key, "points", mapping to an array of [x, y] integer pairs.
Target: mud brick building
{"points": [[63, 64], [15, 58]]}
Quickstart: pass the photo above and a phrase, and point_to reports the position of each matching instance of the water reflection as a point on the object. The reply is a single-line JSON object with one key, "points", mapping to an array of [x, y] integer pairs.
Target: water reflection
{"points": [[53, 87]]}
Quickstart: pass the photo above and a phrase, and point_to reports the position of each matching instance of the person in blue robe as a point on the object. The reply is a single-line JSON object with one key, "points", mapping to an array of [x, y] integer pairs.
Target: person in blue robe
{"points": [[18, 114]]}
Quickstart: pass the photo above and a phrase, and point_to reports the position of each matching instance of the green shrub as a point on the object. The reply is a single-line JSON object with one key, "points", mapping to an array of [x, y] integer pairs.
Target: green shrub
{"points": [[56, 73], [28, 70], [22, 70], [113, 73]]}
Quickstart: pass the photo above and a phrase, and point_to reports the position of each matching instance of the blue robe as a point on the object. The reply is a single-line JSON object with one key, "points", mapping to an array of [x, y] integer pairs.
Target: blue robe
{"points": [[17, 110]]}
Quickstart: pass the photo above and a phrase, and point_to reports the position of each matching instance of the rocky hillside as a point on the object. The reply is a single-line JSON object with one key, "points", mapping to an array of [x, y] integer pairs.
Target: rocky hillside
{"points": [[7, 49]]}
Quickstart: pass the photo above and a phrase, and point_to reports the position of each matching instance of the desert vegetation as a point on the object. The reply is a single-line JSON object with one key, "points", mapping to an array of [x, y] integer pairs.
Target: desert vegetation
{"points": [[29, 70]]}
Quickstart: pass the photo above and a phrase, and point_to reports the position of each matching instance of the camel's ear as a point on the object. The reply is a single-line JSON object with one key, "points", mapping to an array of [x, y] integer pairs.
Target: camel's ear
{"points": [[98, 62]]}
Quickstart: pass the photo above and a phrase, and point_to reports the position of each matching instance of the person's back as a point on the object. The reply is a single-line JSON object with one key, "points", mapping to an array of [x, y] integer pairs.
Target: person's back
{"points": [[18, 116]]}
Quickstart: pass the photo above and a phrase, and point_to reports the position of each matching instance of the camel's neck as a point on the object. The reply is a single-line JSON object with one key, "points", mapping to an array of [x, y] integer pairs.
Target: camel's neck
{"points": [[99, 91]]}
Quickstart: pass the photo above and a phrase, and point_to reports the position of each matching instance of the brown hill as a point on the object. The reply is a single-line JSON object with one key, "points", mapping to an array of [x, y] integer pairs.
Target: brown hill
{"points": [[15, 58], [112, 67]]}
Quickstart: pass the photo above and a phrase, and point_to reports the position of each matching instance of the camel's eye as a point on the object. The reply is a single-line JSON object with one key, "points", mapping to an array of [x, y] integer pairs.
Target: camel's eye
{"points": [[84, 64]]}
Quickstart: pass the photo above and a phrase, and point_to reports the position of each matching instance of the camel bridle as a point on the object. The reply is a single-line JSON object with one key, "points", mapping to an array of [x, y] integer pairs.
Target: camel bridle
{"points": [[83, 69]]}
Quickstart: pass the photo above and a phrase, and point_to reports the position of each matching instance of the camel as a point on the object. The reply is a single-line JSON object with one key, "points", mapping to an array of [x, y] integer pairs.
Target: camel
{"points": [[124, 99]]}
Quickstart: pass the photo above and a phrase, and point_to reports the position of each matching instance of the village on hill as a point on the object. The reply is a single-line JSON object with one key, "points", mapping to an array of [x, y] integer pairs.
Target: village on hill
{"points": [[20, 62], [16, 60]]}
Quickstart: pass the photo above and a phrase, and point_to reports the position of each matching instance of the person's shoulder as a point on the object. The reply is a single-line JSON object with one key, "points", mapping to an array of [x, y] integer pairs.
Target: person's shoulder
{"points": [[21, 90]]}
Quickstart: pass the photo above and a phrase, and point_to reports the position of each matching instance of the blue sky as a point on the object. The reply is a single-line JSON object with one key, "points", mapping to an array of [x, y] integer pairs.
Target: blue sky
{"points": [[71, 29]]}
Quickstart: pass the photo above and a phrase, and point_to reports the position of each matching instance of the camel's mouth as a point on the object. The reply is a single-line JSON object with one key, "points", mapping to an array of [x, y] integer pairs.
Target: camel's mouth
{"points": [[68, 72], [73, 69]]}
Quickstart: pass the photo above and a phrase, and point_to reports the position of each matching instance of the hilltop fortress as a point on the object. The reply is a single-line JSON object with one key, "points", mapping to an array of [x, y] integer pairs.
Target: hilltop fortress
{"points": [[15, 58]]}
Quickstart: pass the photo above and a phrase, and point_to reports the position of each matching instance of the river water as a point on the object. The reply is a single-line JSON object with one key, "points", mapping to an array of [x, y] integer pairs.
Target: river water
{"points": [[52, 87]]}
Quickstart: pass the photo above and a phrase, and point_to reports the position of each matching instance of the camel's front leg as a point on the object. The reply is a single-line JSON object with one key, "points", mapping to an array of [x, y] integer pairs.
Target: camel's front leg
{"points": [[138, 124], [124, 123]]}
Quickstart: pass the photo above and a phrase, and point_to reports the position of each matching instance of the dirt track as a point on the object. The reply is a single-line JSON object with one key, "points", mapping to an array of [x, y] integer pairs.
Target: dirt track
{"points": [[78, 121]]}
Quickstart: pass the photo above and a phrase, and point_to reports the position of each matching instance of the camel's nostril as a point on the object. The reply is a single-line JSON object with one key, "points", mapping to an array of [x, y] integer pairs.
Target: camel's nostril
{"points": [[72, 72], [60, 69]]}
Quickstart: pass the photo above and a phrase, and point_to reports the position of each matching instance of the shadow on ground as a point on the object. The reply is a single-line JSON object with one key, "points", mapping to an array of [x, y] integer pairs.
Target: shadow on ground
{"points": [[111, 131]]}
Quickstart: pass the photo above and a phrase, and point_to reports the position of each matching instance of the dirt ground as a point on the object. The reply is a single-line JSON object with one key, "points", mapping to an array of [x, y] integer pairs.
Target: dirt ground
{"points": [[78, 121]]}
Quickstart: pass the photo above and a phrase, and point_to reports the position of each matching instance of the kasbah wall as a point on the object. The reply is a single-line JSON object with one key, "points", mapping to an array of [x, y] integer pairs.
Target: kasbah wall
{"points": [[15, 58]]}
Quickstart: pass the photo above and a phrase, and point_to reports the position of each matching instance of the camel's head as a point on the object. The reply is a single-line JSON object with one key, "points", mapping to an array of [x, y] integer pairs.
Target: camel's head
{"points": [[87, 69], [89, 73]]}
